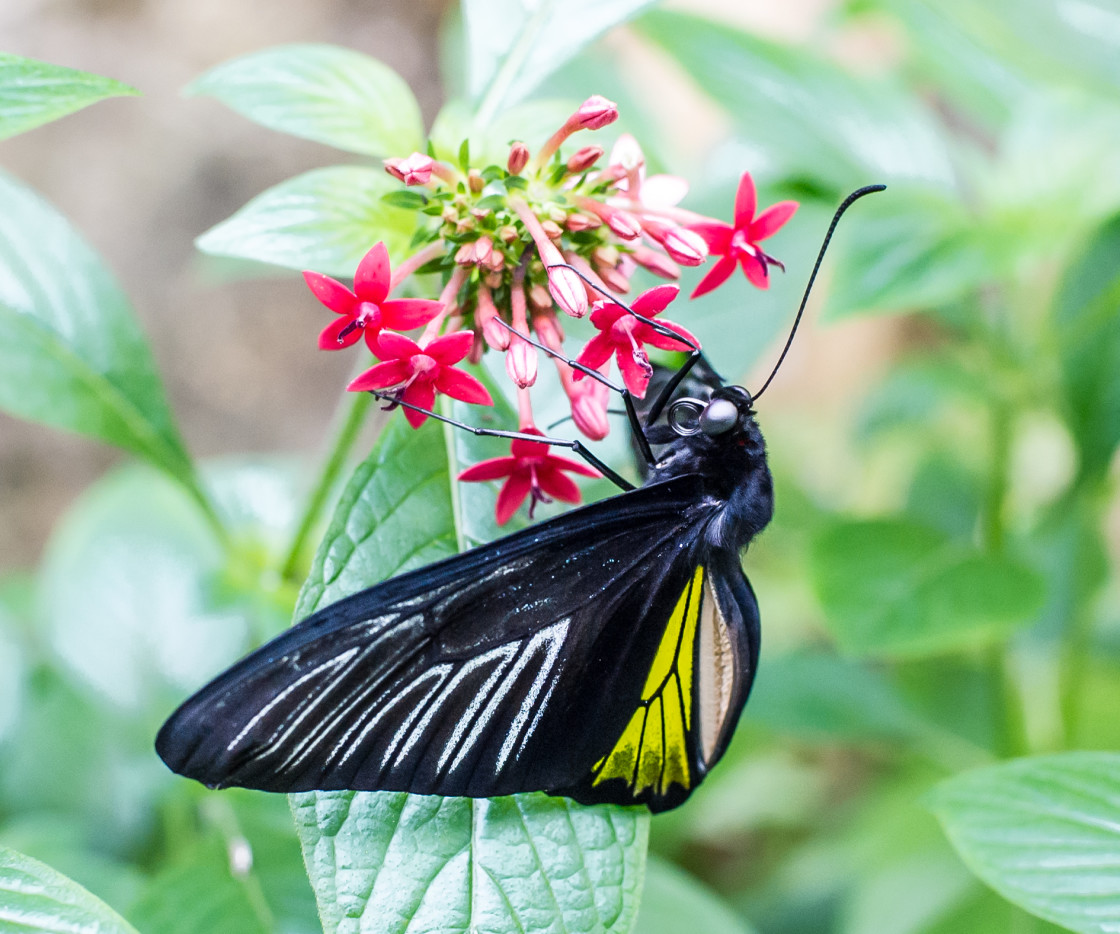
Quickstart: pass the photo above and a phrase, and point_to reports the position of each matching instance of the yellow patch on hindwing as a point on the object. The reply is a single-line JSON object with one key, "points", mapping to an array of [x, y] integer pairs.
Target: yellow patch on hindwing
{"points": [[652, 751]]}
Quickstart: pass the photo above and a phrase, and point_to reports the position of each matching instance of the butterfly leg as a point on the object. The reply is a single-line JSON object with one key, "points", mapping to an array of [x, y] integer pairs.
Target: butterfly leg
{"points": [[631, 412], [574, 445]]}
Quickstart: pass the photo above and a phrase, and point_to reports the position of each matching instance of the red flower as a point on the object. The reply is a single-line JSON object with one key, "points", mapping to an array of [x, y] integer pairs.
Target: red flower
{"points": [[623, 335], [739, 243], [365, 309], [415, 374], [531, 470]]}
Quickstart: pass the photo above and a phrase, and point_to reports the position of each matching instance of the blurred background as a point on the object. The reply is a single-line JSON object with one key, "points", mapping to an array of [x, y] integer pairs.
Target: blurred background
{"points": [[939, 586]]}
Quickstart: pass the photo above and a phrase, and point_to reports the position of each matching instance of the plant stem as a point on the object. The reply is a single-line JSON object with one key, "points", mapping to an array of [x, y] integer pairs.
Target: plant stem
{"points": [[343, 441]]}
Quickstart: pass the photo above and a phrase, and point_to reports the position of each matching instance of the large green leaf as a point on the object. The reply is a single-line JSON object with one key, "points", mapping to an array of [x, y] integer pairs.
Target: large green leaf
{"points": [[1044, 832], [324, 220], [33, 897], [71, 352], [805, 113], [321, 92], [388, 863], [901, 588], [513, 45], [1087, 324], [33, 93]]}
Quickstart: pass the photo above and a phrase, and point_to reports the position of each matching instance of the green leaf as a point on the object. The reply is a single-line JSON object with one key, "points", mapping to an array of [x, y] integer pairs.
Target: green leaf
{"points": [[818, 118], [71, 352], [513, 45], [901, 588], [325, 220], [673, 901], [199, 892], [33, 897], [1044, 832], [127, 587], [819, 695], [321, 92], [1087, 324], [33, 93], [386, 862]]}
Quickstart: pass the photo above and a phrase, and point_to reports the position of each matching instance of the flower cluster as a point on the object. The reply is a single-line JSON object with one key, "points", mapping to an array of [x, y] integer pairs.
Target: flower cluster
{"points": [[520, 247]]}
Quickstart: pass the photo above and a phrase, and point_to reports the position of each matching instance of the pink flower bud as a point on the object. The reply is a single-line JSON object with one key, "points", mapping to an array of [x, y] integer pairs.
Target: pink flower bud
{"points": [[483, 247], [521, 362], [540, 299], [584, 158], [518, 158], [475, 181], [657, 263], [567, 289], [464, 256], [549, 331], [613, 279], [507, 233], [552, 230], [485, 319], [580, 221], [589, 409], [605, 254], [684, 245], [495, 260], [622, 223], [414, 170], [595, 113]]}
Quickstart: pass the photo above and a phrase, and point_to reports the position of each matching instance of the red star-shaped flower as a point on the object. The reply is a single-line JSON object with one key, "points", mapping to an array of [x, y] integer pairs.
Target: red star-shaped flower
{"points": [[365, 309], [530, 470], [414, 374], [738, 243], [623, 335]]}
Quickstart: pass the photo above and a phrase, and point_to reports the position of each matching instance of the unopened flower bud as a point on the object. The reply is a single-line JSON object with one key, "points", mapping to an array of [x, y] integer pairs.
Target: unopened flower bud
{"points": [[475, 181], [540, 298], [589, 409], [552, 230], [464, 256], [483, 247], [521, 362], [613, 279], [657, 263], [495, 261], [595, 113], [507, 233], [684, 245], [556, 213], [518, 158], [622, 223], [493, 279], [582, 159], [548, 330], [485, 319], [605, 255], [414, 170], [580, 221], [449, 215]]}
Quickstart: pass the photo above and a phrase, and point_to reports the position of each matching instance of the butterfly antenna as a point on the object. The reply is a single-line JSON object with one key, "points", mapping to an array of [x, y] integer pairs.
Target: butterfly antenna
{"points": [[847, 203]]}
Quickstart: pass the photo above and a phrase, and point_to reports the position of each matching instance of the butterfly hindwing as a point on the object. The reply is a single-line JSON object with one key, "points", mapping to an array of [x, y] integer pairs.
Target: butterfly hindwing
{"points": [[520, 665]]}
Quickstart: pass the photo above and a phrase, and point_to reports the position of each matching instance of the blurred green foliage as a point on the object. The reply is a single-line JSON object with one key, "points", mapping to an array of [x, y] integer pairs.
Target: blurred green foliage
{"points": [[939, 589]]}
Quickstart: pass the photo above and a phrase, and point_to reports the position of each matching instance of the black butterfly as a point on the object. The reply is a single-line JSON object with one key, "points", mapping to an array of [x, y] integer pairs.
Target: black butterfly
{"points": [[604, 655]]}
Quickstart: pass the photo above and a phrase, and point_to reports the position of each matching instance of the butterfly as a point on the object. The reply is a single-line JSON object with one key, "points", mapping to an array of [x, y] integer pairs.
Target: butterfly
{"points": [[604, 655]]}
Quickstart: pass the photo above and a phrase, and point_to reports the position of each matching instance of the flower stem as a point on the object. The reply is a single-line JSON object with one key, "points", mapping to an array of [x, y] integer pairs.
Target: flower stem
{"points": [[414, 262], [343, 441]]}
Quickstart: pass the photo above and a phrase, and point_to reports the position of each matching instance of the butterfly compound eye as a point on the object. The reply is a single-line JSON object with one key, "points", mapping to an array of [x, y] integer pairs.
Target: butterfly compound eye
{"points": [[719, 416]]}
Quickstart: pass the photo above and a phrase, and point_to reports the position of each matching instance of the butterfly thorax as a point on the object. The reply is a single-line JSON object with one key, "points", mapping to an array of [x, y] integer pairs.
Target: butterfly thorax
{"points": [[734, 473]]}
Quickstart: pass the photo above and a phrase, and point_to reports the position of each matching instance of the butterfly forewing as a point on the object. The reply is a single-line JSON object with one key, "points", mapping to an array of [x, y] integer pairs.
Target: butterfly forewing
{"points": [[484, 675]]}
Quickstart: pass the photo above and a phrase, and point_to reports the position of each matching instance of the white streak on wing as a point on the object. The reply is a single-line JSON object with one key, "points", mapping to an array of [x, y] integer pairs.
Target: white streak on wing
{"points": [[554, 635], [335, 662], [506, 652], [340, 710], [468, 668], [440, 672]]}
